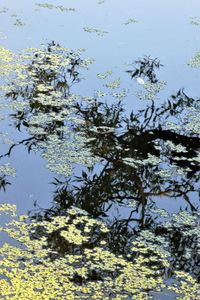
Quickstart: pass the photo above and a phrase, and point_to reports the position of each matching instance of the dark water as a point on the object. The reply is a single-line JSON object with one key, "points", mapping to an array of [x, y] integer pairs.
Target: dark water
{"points": [[146, 178]]}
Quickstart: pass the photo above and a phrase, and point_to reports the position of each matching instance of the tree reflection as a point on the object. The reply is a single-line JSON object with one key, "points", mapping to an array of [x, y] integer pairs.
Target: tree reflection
{"points": [[133, 176], [146, 68], [151, 154], [4, 182]]}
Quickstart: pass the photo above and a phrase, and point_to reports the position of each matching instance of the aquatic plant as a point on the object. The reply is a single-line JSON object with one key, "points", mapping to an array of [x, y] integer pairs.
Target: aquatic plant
{"points": [[104, 75], [9, 63], [113, 84], [101, 1], [195, 21], [187, 289], [4, 10], [150, 90], [58, 7], [195, 61], [99, 32], [33, 268], [29, 271], [42, 103], [131, 21], [6, 171], [151, 153], [18, 22]]}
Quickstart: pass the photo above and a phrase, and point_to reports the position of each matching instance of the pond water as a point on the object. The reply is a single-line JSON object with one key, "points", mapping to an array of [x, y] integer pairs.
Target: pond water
{"points": [[100, 120]]}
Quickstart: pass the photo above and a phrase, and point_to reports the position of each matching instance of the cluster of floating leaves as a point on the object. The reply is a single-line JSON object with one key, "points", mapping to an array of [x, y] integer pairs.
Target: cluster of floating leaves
{"points": [[150, 90], [7, 170], [135, 163], [28, 270], [4, 10], [187, 289], [175, 237], [99, 32], [179, 230], [18, 22], [30, 273], [58, 7], [163, 168], [182, 220], [195, 21], [190, 121], [113, 84], [177, 151], [195, 61], [9, 62], [39, 91], [131, 21], [104, 75], [61, 154], [156, 247], [101, 1]]}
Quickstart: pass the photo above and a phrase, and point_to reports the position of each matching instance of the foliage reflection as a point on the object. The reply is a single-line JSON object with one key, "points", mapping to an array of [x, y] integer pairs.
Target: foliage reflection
{"points": [[151, 154]]}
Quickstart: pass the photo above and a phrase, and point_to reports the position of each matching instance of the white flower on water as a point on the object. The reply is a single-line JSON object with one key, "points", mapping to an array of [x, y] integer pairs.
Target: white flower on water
{"points": [[140, 80]]}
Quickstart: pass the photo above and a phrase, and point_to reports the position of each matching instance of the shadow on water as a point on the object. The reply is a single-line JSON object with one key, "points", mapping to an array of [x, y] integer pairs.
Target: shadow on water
{"points": [[150, 154]]}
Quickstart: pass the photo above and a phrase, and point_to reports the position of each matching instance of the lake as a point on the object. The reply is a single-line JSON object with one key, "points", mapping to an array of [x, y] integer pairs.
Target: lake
{"points": [[100, 149]]}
